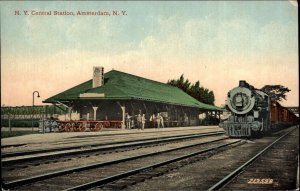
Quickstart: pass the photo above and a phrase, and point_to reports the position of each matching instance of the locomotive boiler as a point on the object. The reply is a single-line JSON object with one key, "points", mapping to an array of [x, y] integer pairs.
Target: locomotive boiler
{"points": [[250, 111]]}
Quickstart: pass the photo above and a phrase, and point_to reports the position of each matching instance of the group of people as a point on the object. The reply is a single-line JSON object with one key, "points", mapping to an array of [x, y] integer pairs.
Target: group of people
{"points": [[155, 121], [158, 120], [140, 119]]}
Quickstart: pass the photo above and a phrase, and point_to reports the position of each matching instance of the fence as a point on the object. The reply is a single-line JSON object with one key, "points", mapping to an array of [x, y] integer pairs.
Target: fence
{"points": [[28, 116]]}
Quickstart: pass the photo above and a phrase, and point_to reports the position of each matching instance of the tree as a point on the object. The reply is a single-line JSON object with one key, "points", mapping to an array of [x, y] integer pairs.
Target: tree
{"points": [[276, 92], [201, 94]]}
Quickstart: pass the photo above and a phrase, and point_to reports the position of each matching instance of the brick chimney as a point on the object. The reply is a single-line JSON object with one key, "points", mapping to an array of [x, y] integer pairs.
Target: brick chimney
{"points": [[98, 76]]}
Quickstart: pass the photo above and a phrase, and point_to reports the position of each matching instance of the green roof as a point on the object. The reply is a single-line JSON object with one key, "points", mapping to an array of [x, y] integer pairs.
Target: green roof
{"points": [[122, 86]]}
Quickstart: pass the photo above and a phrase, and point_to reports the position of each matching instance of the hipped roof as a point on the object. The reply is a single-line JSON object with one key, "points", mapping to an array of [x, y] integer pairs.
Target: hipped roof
{"points": [[123, 86]]}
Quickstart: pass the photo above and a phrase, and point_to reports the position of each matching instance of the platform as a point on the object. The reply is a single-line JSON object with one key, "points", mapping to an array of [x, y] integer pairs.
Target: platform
{"points": [[40, 138]]}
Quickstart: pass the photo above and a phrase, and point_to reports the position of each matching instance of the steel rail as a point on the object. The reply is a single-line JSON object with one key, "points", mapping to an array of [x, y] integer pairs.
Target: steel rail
{"points": [[29, 180], [133, 133], [107, 147], [109, 179], [13, 145], [234, 173]]}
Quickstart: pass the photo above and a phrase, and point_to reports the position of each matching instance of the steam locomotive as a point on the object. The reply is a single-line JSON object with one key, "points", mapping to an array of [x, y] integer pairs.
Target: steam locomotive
{"points": [[253, 113]]}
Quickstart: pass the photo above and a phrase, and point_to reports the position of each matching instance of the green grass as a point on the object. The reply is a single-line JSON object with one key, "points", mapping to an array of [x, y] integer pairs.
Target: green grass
{"points": [[6, 134]]}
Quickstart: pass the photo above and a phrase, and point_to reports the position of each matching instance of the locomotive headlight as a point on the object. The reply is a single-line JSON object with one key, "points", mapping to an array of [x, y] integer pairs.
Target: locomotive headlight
{"points": [[239, 101]]}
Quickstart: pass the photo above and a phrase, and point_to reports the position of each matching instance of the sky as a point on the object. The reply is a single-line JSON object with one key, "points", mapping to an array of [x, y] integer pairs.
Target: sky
{"points": [[215, 42]]}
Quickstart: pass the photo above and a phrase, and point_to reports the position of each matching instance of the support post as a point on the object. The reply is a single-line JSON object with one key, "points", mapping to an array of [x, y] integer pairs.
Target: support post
{"points": [[32, 115], [70, 113], [95, 112], [38, 95], [123, 117]]}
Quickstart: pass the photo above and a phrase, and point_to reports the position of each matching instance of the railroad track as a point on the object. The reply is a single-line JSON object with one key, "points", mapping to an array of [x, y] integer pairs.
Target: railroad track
{"points": [[39, 164], [83, 146], [102, 174], [273, 168], [87, 139], [14, 164]]}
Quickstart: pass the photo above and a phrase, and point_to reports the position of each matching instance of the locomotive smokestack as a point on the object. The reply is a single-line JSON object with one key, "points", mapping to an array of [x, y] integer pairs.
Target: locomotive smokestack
{"points": [[243, 83], [98, 76]]}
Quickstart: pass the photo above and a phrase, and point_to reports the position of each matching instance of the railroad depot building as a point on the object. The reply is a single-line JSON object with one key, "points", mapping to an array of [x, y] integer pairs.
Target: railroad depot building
{"points": [[113, 95]]}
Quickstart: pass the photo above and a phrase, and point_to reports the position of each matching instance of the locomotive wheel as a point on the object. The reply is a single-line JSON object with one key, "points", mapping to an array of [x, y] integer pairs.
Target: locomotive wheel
{"points": [[82, 127], [98, 126], [79, 127], [61, 127], [106, 124], [69, 127], [76, 127]]}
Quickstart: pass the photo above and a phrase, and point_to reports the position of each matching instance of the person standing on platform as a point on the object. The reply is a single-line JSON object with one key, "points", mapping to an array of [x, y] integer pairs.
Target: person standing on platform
{"points": [[158, 120], [132, 122], [186, 120], [139, 121], [152, 121], [162, 121], [128, 121], [143, 121]]}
